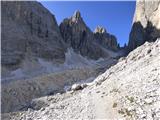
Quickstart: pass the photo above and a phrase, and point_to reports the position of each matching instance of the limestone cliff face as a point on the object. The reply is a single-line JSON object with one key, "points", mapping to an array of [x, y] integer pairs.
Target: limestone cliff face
{"points": [[105, 39], [146, 23], [78, 36], [29, 28]]}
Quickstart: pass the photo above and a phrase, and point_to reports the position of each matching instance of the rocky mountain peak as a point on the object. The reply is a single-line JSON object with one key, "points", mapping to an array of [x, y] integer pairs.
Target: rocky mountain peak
{"points": [[77, 35], [76, 16], [100, 29], [105, 39]]}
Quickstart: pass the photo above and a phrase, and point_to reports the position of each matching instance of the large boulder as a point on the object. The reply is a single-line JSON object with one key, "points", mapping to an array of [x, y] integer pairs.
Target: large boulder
{"points": [[105, 39], [78, 36], [146, 23], [29, 29]]}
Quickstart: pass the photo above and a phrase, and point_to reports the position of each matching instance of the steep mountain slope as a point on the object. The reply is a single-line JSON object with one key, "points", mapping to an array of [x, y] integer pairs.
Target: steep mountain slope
{"points": [[29, 27], [146, 23], [128, 90], [29, 32]]}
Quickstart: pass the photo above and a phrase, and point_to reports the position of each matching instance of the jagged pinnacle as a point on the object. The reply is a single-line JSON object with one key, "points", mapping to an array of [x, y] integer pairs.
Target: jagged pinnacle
{"points": [[100, 29], [77, 14]]}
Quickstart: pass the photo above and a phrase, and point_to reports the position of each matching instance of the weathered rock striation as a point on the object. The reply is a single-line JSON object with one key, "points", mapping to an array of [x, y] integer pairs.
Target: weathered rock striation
{"points": [[105, 39], [29, 29], [146, 23]]}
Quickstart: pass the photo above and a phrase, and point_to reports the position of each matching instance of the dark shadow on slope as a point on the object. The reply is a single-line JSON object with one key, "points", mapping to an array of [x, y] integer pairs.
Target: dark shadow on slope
{"points": [[139, 35]]}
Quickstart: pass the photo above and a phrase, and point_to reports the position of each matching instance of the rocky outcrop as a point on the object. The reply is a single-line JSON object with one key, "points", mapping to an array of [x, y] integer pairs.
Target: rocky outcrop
{"points": [[29, 29], [105, 39], [146, 23], [78, 36]]}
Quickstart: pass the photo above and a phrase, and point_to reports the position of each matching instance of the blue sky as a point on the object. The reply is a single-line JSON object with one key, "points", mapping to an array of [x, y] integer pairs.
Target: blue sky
{"points": [[115, 16]]}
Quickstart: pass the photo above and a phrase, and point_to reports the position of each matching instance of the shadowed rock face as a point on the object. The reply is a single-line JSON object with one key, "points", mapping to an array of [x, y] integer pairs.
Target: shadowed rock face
{"points": [[78, 36], [146, 23], [105, 39], [140, 35], [137, 36], [29, 28]]}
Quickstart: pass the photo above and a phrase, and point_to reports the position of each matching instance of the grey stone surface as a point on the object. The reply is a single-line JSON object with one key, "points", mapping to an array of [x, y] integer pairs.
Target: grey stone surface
{"points": [[146, 23], [29, 28]]}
